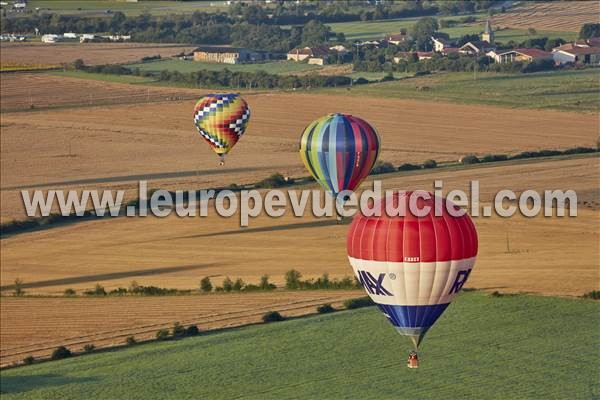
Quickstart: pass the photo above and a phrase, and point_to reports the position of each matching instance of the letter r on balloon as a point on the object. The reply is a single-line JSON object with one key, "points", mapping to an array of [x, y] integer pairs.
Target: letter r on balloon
{"points": [[460, 280]]}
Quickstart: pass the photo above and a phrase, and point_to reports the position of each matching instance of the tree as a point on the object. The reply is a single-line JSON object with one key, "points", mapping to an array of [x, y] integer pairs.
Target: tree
{"points": [[60, 352], [227, 284], [422, 32], [205, 285], [589, 31], [292, 279], [19, 287], [238, 285], [178, 330], [314, 33]]}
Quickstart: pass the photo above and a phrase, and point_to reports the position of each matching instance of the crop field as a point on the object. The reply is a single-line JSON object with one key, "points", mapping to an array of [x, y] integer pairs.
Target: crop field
{"points": [[118, 145], [360, 30], [541, 347], [90, 53], [185, 66], [25, 91], [177, 252], [550, 15], [563, 90], [98, 8], [108, 322]]}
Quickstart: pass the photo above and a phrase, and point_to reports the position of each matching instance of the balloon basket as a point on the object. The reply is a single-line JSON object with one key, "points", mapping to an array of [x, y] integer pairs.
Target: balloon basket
{"points": [[221, 160], [413, 360]]}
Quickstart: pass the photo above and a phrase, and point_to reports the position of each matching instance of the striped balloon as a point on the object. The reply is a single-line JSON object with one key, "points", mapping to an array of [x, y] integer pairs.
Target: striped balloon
{"points": [[412, 266], [339, 151], [221, 119]]}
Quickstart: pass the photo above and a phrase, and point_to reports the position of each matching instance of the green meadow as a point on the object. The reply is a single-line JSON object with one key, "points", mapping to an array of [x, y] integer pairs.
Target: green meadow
{"points": [[360, 30], [186, 66], [99, 7], [483, 347], [565, 90]]}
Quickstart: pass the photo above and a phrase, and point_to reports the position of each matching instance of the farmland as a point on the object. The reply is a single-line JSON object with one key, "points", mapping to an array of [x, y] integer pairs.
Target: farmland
{"points": [[97, 8], [112, 144], [24, 91], [551, 15], [563, 90], [90, 53], [361, 30], [276, 67], [471, 352], [177, 252], [107, 322]]}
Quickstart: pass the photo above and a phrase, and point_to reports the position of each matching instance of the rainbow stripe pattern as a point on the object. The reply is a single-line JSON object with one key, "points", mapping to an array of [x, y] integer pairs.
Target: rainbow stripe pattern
{"points": [[339, 151]]}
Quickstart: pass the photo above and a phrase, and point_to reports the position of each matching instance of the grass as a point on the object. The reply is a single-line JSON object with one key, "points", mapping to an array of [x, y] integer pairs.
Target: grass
{"points": [[358, 30], [483, 347], [186, 66], [563, 90], [98, 7], [103, 77], [11, 66]]}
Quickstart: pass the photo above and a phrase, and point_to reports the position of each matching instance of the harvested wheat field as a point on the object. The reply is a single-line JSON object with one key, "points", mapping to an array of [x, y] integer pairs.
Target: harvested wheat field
{"points": [[25, 91], [550, 16], [99, 147], [178, 252], [90, 53], [75, 322]]}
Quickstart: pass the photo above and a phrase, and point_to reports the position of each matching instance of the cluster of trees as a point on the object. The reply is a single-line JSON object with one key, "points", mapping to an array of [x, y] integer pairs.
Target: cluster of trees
{"points": [[293, 281], [589, 31]]}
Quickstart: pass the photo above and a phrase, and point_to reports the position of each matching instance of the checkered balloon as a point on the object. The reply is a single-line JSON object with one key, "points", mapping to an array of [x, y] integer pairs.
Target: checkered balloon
{"points": [[221, 119]]}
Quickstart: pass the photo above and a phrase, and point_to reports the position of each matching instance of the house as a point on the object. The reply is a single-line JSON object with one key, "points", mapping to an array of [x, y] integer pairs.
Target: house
{"points": [[439, 44], [525, 55], [398, 38], [577, 55], [70, 35], [339, 49], [309, 52], [226, 55], [476, 48]]}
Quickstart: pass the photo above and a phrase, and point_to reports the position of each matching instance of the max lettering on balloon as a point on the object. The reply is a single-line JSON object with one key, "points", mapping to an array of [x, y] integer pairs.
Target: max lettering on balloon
{"points": [[372, 284], [460, 280]]}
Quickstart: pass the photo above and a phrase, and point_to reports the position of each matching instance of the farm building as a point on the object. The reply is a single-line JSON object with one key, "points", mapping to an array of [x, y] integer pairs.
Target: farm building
{"points": [[229, 55], [526, 55], [51, 38], [577, 55], [582, 51]]}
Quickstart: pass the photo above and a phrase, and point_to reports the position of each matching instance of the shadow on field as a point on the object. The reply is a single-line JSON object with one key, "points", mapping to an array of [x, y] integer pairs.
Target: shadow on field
{"points": [[276, 228], [108, 276], [16, 384], [143, 177]]}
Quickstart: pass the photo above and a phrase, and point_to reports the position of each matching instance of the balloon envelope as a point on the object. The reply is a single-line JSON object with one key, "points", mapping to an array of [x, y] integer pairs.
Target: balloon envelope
{"points": [[221, 119], [339, 151], [412, 266]]}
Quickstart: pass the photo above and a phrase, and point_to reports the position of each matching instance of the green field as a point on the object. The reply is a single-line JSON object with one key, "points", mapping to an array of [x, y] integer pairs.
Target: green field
{"points": [[483, 347], [357, 30], [564, 90], [99, 7], [103, 77], [185, 66]]}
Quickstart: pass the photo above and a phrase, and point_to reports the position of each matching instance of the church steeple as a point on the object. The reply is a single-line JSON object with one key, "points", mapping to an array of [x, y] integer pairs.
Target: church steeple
{"points": [[488, 33]]}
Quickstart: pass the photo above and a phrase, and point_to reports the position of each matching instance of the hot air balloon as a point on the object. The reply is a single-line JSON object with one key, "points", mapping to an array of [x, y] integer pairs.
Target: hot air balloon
{"points": [[221, 119], [411, 266], [339, 151]]}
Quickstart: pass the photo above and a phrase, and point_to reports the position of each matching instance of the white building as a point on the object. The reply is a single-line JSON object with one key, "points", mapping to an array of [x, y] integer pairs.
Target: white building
{"points": [[50, 38], [70, 35]]}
